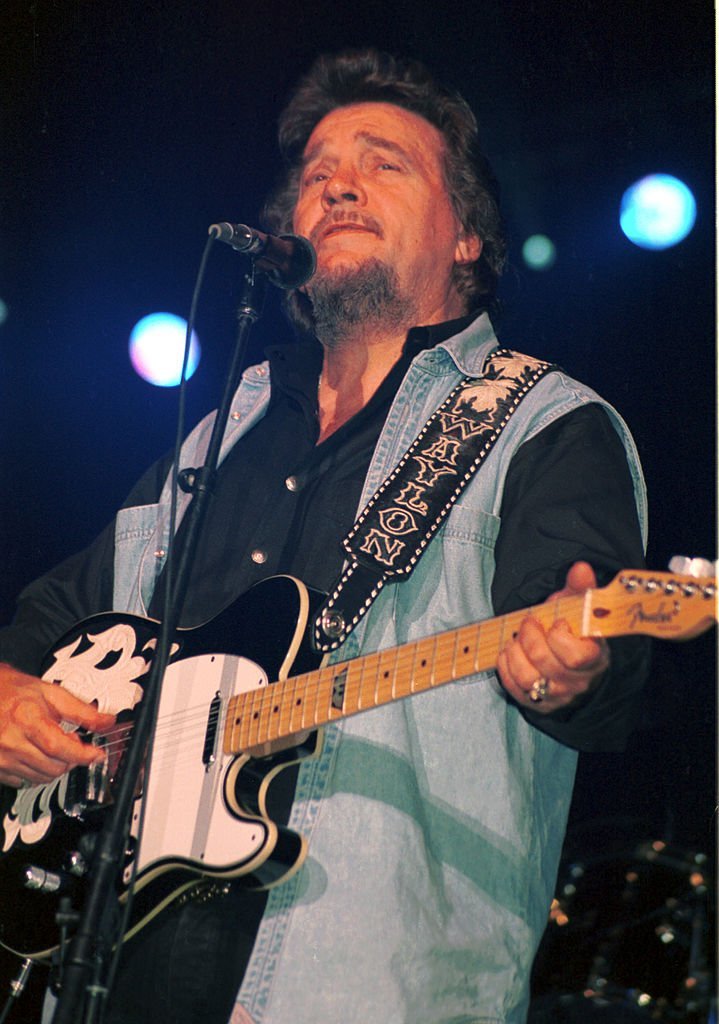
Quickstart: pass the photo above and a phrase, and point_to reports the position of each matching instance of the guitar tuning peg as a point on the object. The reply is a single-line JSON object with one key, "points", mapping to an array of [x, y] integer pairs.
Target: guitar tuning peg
{"points": [[692, 566]]}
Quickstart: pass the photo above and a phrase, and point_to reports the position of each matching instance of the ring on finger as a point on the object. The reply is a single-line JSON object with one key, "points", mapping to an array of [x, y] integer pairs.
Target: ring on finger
{"points": [[539, 690]]}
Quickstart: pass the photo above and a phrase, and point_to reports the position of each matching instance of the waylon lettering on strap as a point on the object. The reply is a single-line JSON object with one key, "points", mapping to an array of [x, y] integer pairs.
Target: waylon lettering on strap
{"points": [[399, 521]]}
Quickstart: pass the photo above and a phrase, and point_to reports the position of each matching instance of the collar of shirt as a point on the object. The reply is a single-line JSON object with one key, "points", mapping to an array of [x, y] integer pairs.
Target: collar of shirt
{"points": [[295, 367], [295, 371]]}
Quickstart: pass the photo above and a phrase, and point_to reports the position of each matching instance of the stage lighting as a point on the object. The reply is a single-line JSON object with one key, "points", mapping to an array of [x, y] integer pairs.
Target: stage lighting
{"points": [[156, 347], [539, 252], [657, 212], [4, 311]]}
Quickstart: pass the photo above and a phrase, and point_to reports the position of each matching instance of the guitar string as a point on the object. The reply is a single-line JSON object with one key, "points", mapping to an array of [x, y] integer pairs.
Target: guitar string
{"points": [[175, 723], [268, 696], [397, 659], [316, 684], [179, 718], [260, 703]]}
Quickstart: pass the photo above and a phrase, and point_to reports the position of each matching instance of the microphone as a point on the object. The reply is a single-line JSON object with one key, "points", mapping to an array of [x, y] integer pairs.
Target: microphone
{"points": [[288, 260]]}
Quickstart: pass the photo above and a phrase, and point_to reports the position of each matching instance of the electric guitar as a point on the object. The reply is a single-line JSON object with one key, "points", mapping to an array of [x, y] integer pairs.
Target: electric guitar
{"points": [[242, 698]]}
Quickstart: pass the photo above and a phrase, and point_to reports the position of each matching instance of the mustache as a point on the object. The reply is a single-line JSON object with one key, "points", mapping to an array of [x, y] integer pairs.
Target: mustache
{"points": [[363, 220]]}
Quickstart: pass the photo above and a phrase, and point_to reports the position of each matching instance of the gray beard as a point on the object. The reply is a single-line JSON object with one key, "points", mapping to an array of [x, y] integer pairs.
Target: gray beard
{"points": [[366, 296]]}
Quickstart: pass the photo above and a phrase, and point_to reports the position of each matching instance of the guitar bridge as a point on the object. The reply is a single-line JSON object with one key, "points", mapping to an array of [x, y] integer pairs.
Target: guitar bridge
{"points": [[87, 785]]}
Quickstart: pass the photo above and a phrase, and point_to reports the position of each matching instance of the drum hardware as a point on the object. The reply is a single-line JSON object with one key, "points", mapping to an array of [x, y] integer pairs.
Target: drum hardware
{"points": [[628, 939]]}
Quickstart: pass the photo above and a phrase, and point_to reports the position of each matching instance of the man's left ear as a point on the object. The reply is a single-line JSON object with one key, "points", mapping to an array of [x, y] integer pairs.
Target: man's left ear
{"points": [[468, 249]]}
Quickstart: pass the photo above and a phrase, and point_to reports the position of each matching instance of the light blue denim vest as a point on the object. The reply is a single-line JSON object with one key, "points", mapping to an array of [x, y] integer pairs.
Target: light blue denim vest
{"points": [[435, 824]]}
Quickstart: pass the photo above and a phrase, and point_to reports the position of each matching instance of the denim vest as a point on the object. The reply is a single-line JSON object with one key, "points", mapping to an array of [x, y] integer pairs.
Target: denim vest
{"points": [[435, 824]]}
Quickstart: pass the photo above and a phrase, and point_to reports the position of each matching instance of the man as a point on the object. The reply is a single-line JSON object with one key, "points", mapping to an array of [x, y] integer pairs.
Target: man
{"points": [[434, 824]]}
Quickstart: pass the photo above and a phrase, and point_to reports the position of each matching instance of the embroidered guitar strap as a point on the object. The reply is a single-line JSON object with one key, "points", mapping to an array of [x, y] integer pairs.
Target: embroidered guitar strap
{"points": [[399, 521]]}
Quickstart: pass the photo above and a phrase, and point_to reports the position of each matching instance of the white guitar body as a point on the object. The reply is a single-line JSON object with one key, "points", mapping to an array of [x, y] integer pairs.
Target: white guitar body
{"points": [[191, 811]]}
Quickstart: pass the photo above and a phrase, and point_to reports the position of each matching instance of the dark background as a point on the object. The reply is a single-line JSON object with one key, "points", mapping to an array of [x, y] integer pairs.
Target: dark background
{"points": [[130, 127]]}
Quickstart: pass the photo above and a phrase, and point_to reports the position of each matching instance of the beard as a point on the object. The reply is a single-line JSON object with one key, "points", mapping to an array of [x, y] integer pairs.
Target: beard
{"points": [[355, 298]]}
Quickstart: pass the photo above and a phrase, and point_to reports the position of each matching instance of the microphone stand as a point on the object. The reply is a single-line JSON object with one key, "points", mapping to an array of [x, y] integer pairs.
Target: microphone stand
{"points": [[83, 971]]}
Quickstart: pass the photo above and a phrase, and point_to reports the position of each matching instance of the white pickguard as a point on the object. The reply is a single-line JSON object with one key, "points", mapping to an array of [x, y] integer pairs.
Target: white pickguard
{"points": [[186, 814]]}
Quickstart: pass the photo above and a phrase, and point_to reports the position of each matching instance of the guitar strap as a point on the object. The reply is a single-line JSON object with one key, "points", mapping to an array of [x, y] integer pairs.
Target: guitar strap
{"points": [[399, 521]]}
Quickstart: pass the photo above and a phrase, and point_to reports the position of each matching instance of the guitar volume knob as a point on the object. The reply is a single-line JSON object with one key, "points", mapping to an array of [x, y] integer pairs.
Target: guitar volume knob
{"points": [[40, 880], [76, 864]]}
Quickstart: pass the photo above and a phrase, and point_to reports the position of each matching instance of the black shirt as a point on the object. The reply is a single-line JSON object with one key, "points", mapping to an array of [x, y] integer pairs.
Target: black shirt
{"points": [[283, 503]]}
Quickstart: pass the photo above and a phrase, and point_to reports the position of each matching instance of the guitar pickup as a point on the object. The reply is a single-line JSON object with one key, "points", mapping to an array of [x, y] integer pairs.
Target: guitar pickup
{"points": [[213, 718]]}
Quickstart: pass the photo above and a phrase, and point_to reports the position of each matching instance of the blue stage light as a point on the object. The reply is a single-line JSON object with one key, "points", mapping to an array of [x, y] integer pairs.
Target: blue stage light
{"points": [[539, 252], [157, 344], [657, 212]]}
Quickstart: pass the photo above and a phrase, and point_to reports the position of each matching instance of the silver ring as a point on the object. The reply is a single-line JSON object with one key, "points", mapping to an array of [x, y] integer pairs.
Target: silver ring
{"points": [[539, 690]]}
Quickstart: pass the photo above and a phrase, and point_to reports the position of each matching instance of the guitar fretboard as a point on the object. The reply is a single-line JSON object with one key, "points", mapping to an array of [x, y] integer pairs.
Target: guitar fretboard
{"points": [[335, 691]]}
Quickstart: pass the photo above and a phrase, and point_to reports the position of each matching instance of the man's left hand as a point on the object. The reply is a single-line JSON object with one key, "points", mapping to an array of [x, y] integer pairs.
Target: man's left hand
{"points": [[546, 669]]}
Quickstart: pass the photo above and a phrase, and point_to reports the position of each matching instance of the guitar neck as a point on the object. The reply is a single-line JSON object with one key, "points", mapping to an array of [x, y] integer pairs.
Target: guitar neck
{"points": [[337, 691], [665, 605]]}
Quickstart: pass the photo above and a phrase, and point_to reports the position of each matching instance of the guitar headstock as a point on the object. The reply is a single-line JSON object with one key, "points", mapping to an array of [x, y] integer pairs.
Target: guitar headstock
{"points": [[666, 605]]}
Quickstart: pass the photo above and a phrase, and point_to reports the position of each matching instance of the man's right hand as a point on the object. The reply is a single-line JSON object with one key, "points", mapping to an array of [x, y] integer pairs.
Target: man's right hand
{"points": [[33, 746]]}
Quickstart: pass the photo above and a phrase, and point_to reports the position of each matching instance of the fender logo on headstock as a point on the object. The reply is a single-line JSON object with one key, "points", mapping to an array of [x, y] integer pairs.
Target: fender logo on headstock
{"points": [[662, 614]]}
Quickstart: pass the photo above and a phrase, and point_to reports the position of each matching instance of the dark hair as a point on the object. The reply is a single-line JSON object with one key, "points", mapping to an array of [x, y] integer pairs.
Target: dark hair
{"points": [[359, 76]]}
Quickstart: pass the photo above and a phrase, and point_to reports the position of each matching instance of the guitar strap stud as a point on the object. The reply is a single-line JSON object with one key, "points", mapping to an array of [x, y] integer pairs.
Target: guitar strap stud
{"points": [[332, 623]]}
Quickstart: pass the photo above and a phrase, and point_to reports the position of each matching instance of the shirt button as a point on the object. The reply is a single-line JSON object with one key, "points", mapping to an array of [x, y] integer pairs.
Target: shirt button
{"points": [[292, 483], [259, 556]]}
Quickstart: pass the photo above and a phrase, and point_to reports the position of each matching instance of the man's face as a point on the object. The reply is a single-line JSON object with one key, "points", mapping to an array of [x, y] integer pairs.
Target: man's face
{"points": [[372, 188]]}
